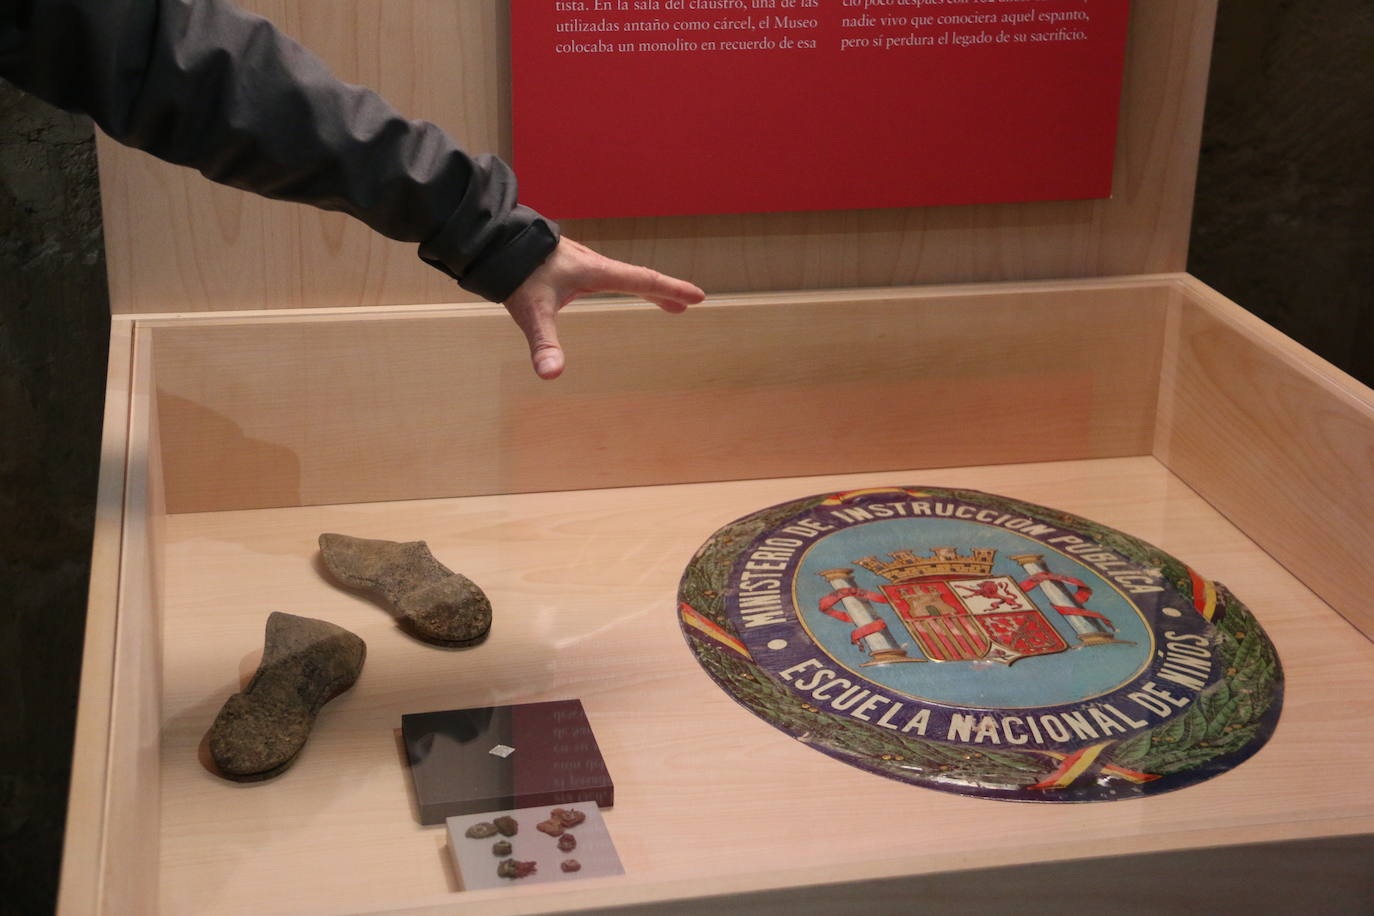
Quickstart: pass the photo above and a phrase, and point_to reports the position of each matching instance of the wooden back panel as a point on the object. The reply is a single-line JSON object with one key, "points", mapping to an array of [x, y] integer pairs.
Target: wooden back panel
{"points": [[177, 243], [355, 407]]}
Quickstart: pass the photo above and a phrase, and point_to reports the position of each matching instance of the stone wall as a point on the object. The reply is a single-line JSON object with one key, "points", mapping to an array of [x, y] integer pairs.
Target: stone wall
{"points": [[1285, 188], [54, 328]]}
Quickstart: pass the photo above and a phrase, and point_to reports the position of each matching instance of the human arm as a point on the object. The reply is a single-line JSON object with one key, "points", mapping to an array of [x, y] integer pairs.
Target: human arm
{"points": [[204, 84], [207, 85]]}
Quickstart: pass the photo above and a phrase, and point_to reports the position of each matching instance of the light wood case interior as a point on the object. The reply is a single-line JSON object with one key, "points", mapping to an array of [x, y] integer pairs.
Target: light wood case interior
{"points": [[1126, 419]]}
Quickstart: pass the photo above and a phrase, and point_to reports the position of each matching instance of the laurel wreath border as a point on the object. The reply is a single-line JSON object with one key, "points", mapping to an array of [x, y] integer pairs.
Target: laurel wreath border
{"points": [[1232, 717]]}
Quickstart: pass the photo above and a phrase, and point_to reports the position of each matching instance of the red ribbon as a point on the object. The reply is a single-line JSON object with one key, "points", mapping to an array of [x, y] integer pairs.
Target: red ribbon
{"points": [[1083, 612], [834, 598], [1083, 593], [828, 607]]}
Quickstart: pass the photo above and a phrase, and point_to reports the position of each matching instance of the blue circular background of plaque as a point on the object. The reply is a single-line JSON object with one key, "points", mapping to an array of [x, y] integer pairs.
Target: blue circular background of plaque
{"points": [[981, 645]]}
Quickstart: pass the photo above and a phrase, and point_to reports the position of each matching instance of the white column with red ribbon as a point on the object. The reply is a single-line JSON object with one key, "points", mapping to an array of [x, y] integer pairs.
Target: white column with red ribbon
{"points": [[849, 604], [1092, 627]]}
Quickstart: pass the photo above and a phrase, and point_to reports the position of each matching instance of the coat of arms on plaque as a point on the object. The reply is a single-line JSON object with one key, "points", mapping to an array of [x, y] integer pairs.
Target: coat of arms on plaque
{"points": [[979, 644], [956, 610]]}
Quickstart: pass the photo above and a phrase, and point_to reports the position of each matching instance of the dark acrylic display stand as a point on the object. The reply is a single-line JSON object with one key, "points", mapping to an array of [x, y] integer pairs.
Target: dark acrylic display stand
{"points": [[554, 761]]}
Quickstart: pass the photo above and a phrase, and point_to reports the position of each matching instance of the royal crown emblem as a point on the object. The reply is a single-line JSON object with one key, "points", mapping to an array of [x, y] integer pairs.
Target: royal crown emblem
{"points": [[946, 561]]}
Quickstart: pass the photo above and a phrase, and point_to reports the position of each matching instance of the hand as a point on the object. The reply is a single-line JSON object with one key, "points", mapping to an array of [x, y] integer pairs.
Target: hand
{"points": [[572, 271]]}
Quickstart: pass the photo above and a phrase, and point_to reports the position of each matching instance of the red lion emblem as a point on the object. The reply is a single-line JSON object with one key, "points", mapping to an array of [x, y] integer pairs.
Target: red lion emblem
{"points": [[996, 592]]}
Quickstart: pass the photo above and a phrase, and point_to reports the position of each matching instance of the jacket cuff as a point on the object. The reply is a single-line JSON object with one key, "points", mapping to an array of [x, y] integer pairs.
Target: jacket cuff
{"points": [[498, 273]]}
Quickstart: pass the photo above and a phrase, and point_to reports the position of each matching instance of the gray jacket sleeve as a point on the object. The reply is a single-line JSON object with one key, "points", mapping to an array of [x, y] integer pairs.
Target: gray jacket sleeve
{"points": [[204, 84]]}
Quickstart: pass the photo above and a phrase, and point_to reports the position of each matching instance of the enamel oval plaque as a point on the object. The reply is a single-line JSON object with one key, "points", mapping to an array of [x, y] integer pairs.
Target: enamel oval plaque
{"points": [[981, 645]]}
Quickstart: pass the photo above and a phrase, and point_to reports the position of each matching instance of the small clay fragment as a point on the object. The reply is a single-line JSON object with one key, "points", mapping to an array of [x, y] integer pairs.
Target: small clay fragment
{"points": [[570, 865], [305, 664], [567, 842], [432, 602], [569, 817], [510, 868], [508, 825], [553, 826], [500, 848], [481, 831]]}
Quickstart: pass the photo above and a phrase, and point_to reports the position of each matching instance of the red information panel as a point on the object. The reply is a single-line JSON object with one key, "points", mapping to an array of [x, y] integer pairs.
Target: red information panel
{"points": [[659, 107]]}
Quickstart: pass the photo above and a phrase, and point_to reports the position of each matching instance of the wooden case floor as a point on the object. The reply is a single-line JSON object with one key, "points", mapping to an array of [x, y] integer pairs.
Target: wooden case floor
{"points": [[708, 797]]}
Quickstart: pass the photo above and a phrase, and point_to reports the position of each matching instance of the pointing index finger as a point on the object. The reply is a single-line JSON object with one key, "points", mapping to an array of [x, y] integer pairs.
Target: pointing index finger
{"points": [[667, 292]]}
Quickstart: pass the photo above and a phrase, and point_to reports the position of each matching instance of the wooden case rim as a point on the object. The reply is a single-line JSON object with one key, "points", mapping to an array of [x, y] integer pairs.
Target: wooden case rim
{"points": [[1267, 394]]}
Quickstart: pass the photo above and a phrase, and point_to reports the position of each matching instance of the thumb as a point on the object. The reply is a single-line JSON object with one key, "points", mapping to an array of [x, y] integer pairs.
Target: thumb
{"points": [[545, 352], [548, 361], [534, 312]]}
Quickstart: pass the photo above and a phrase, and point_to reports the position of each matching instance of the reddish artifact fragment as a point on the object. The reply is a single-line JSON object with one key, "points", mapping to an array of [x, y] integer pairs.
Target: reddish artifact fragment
{"points": [[511, 868], [567, 842], [569, 817], [571, 865]]}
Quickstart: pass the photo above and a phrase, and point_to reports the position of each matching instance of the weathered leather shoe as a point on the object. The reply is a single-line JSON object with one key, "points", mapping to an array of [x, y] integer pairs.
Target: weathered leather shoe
{"points": [[305, 664], [431, 601]]}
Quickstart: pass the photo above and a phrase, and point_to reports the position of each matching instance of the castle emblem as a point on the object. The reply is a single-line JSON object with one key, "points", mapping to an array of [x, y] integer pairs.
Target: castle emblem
{"points": [[956, 610]]}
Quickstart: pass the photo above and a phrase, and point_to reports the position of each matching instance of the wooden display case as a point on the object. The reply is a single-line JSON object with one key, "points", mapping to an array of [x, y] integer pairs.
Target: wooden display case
{"points": [[266, 386]]}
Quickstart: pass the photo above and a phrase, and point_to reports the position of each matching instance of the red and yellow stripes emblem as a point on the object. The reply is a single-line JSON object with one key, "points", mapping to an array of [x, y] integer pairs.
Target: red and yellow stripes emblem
{"points": [[845, 496], [1204, 595], [711, 629], [1072, 766]]}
